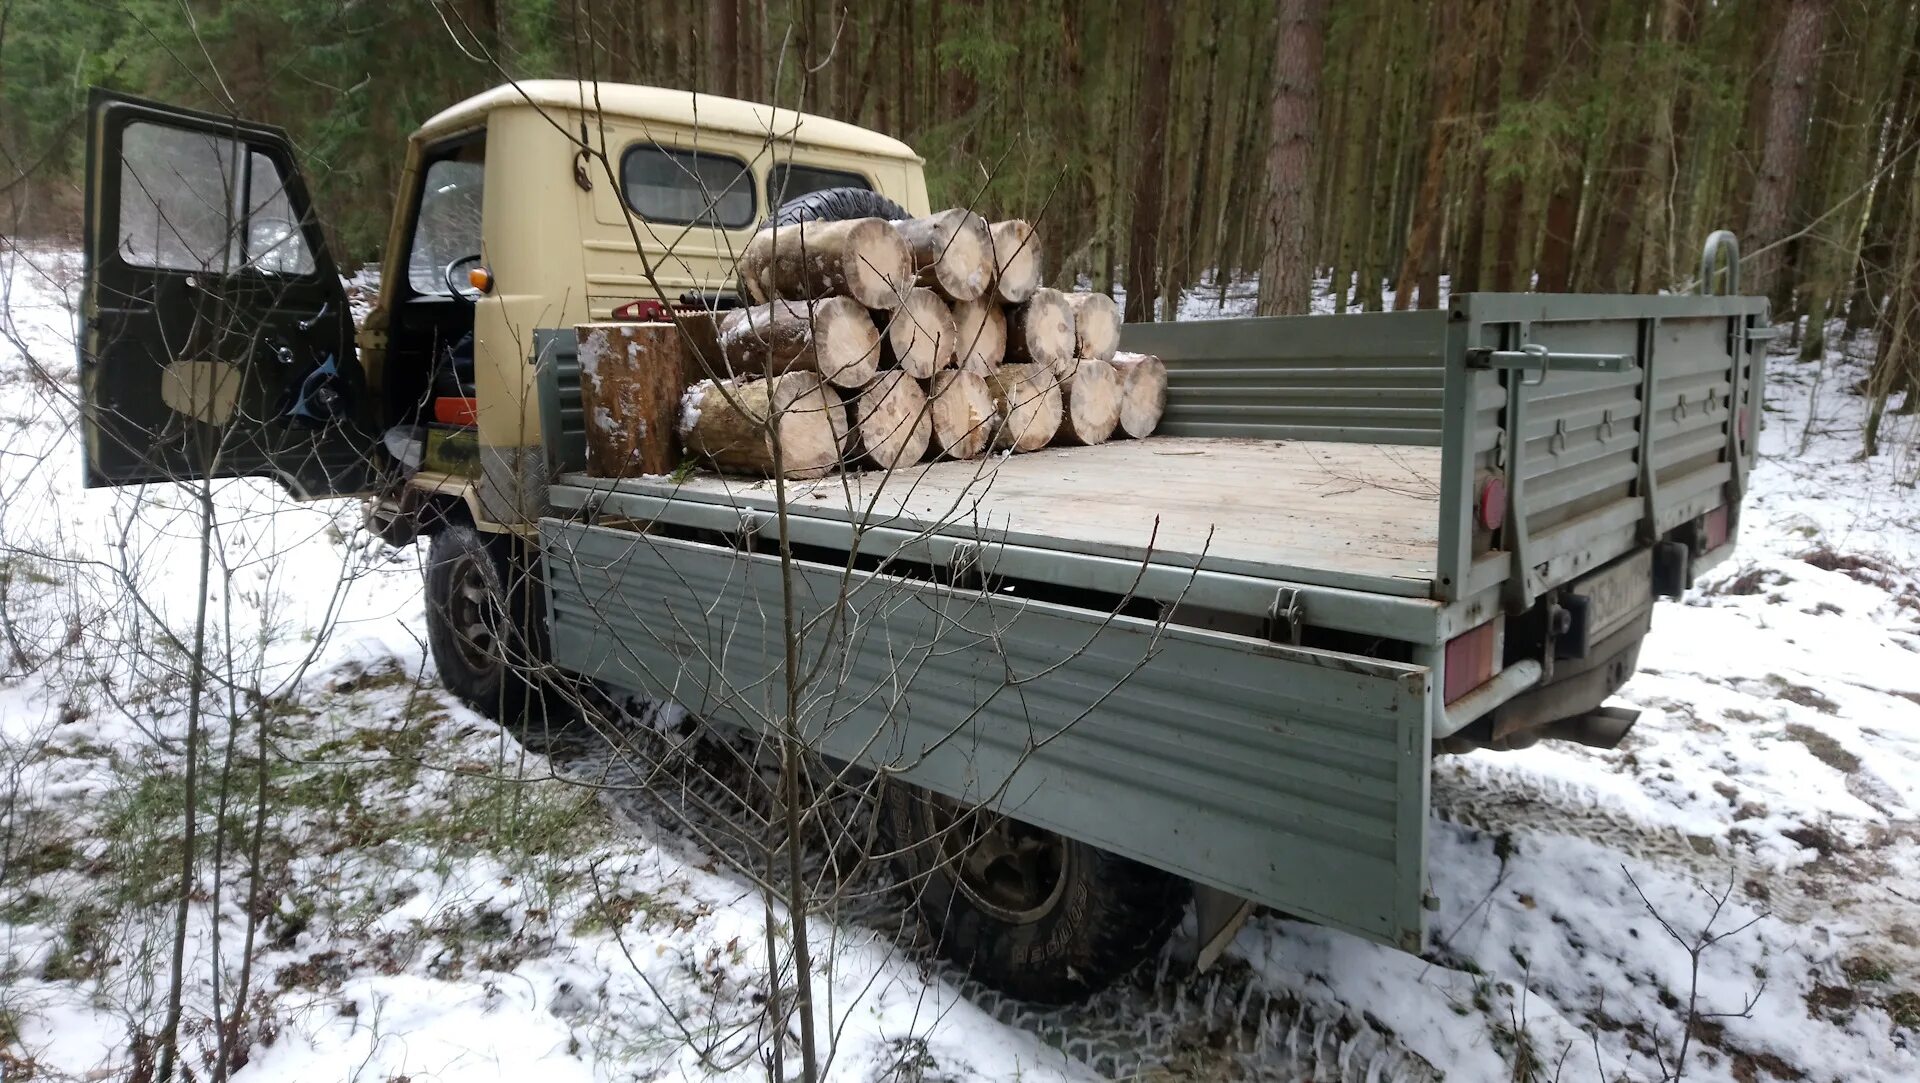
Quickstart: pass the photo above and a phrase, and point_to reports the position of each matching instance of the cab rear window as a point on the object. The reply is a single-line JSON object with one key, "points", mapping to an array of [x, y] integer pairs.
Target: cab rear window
{"points": [[685, 187], [787, 181]]}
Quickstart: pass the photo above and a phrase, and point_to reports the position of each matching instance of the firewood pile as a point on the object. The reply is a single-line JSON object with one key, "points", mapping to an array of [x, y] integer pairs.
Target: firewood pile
{"points": [[870, 343]]}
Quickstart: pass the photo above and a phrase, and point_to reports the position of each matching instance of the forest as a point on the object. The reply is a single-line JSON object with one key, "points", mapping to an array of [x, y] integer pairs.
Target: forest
{"points": [[1559, 145]]}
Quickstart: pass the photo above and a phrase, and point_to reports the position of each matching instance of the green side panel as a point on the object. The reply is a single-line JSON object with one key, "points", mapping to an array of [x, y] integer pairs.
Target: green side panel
{"points": [[1363, 377], [1294, 777], [562, 419]]}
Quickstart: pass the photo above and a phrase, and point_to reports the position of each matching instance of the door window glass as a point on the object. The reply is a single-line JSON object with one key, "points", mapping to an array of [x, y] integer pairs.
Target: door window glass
{"points": [[449, 224], [181, 204], [686, 187], [787, 181]]}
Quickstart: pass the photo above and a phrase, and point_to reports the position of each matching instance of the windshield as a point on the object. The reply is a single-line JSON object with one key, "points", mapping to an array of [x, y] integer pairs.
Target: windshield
{"points": [[449, 224]]}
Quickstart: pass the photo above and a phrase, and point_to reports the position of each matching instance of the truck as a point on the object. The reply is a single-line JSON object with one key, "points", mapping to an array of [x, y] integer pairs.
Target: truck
{"points": [[1211, 668]]}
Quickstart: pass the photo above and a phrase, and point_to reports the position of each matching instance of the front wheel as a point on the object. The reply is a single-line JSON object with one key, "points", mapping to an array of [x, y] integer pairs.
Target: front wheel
{"points": [[1029, 912], [470, 625]]}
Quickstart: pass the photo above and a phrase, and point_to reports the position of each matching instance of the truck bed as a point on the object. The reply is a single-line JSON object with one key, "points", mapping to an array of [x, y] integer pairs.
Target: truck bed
{"points": [[1338, 514]]}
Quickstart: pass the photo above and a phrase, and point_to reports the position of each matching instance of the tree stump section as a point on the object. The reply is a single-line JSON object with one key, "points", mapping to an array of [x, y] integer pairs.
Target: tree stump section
{"points": [[862, 258], [982, 331], [728, 423], [1096, 325], [1016, 260], [631, 376], [1092, 403], [1041, 332], [1143, 393], [834, 337], [919, 337], [961, 409], [1026, 406], [952, 253], [891, 423]]}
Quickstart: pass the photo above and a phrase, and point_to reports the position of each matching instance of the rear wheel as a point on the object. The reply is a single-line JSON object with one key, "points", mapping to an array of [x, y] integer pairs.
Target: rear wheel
{"points": [[1029, 912]]}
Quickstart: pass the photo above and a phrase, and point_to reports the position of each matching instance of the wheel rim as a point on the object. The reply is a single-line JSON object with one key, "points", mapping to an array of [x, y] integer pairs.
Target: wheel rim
{"points": [[474, 611], [1011, 870]]}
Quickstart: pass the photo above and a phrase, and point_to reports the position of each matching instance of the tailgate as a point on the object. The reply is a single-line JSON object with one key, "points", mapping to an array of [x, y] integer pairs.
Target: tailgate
{"points": [[1610, 423]]}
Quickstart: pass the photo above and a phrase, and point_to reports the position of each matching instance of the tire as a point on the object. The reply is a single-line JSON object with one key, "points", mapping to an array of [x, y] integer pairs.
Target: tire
{"points": [[1101, 916], [835, 205], [472, 628]]}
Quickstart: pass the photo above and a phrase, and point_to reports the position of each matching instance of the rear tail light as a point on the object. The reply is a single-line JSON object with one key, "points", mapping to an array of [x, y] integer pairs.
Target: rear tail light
{"points": [[1713, 527], [1472, 658]]}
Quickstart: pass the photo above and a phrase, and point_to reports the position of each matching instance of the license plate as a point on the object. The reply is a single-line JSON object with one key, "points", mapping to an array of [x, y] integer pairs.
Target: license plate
{"points": [[1617, 594]]}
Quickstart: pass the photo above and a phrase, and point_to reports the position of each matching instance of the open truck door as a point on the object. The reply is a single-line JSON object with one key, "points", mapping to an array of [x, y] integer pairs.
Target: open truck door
{"points": [[215, 338]]}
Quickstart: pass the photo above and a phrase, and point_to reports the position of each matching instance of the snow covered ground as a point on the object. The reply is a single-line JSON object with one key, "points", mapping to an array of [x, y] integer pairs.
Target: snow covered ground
{"points": [[434, 904]]}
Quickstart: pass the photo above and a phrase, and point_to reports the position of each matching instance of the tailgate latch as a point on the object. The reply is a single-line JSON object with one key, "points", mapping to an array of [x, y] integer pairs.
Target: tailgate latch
{"points": [[1285, 615]]}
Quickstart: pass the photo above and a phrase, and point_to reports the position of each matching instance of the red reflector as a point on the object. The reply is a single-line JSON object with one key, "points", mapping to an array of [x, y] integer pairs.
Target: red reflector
{"points": [[1470, 660], [1714, 524], [456, 411], [1493, 503]]}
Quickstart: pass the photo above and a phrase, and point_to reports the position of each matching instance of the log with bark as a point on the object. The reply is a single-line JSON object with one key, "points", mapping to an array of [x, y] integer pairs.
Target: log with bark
{"points": [[833, 336], [920, 336], [733, 423], [952, 253], [1096, 325], [631, 377], [1041, 331], [961, 409], [1143, 393], [1026, 406], [862, 258], [891, 425], [1091, 403], [982, 330], [1016, 260]]}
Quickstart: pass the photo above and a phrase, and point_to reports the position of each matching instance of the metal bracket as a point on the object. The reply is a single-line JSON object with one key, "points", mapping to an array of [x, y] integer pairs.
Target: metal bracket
{"points": [[1286, 613], [1534, 357]]}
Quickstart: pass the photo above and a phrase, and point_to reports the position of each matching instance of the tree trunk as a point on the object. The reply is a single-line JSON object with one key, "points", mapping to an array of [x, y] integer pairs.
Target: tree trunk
{"points": [[862, 258], [631, 379], [1417, 266], [1026, 406], [921, 337], [982, 328], [1286, 272], [834, 337], [1096, 325], [1041, 331], [961, 408], [1143, 248], [732, 424], [1563, 206], [890, 425], [1787, 97], [1143, 393], [1090, 404], [952, 253], [723, 47]]}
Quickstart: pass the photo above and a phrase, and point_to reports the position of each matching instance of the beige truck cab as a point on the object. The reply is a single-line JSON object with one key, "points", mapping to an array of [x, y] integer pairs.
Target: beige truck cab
{"points": [[216, 333]]}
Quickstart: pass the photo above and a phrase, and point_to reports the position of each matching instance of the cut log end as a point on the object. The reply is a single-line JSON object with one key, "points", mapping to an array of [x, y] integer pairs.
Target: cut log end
{"points": [[862, 258], [961, 410], [1096, 325], [1092, 399], [952, 253], [1016, 260], [891, 426], [1026, 402], [833, 336], [726, 422], [920, 335], [1143, 393], [981, 330], [1041, 332]]}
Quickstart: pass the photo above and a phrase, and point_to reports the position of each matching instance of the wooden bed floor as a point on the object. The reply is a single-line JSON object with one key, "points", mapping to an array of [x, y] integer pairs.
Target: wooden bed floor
{"points": [[1348, 509]]}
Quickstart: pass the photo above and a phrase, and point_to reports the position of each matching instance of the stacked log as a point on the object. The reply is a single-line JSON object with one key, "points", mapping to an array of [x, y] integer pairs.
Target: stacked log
{"points": [[631, 377], [1092, 398], [1143, 393], [962, 412], [881, 343], [734, 424], [1026, 406]]}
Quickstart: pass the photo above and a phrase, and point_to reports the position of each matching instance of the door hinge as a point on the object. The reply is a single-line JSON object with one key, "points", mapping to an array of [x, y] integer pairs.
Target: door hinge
{"points": [[1286, 617]]}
